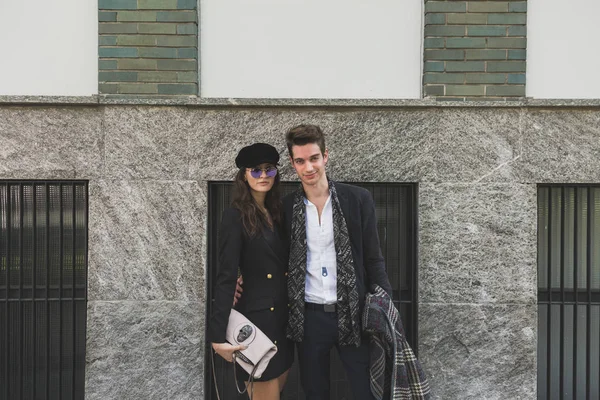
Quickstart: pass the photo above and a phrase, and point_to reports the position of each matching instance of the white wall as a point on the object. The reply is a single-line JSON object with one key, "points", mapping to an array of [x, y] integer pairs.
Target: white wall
{"points": [[563, 49], [311, 48], [48, 47]]}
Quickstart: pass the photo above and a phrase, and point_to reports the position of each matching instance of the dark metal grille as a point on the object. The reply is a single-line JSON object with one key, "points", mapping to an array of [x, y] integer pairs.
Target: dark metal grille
{"points": [[43, 289], [396, 209], [569, 292]]}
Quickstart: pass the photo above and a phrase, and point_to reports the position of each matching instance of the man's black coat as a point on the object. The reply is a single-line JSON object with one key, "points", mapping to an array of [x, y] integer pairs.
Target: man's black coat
{"points": [[359, 212]]}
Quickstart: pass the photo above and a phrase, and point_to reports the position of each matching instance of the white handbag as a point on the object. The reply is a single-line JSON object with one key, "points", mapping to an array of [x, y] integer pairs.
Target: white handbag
{"points": [[241, 331], [260, 349]]}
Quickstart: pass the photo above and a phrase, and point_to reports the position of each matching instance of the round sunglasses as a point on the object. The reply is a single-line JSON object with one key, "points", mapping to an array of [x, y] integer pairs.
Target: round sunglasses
{"points": [[257, 172]]}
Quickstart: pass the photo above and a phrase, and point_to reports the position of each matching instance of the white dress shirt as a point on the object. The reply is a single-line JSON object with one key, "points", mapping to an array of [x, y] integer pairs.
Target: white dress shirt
{"points": [[321, 265]]}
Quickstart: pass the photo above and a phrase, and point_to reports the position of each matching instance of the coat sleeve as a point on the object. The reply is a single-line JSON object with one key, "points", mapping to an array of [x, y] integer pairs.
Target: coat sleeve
{"points": [[231, 241], [373, 259]]}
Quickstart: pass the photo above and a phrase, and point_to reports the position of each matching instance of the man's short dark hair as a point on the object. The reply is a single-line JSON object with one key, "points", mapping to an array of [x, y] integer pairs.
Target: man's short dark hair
{"points": [[305, 134]]}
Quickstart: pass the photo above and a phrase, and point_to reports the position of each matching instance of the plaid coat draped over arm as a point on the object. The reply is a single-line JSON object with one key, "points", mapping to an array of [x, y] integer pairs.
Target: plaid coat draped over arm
{"points": [[395, 372]]}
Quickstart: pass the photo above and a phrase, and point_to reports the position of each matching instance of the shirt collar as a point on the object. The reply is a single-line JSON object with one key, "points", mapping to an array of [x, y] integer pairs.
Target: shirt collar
{"points": [[308, 202]]}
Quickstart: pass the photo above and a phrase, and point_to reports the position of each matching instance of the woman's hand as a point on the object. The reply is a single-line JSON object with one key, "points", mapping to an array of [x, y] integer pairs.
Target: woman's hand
{"points": [[226, 350], [238, 290]]}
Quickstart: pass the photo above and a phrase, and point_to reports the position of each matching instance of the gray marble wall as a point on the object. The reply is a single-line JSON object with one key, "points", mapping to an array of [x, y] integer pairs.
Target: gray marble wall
{"points": [[148, 168]]}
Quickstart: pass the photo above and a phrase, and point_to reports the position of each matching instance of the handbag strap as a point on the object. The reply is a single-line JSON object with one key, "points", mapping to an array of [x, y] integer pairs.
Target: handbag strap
{"points": [[250, 381], [212, 359], [240, 391]]}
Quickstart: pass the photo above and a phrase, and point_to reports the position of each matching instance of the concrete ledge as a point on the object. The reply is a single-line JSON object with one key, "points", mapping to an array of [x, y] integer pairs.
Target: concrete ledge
{"points": [[194, 101], [80, 100]]}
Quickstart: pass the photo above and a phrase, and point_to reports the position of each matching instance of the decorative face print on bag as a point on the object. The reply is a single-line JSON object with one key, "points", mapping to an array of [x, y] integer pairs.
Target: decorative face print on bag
{"points": [[244, 333]]}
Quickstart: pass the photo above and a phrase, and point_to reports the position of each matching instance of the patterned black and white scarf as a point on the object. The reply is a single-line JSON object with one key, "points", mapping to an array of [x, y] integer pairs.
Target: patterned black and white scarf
{"points": [[347, 292]]}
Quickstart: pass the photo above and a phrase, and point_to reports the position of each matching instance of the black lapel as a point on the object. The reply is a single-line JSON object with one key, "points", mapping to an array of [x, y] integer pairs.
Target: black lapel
{"points": [[269, 241], [344, 202]]}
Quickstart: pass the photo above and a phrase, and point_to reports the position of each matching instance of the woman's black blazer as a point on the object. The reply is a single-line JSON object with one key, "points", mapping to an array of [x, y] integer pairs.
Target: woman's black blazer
{"points": [[262, 260]]}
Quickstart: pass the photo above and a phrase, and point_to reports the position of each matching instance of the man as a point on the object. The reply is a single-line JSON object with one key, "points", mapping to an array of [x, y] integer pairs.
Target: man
{"points": [[334, 257]]}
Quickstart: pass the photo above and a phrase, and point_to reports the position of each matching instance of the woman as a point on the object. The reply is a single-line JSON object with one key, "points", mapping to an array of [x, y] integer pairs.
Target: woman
{"points": [[250, 238]]}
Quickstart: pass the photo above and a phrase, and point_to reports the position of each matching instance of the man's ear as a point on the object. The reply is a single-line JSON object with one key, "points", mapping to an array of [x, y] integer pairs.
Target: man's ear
{"points": [[326, 156], [291, 161]]}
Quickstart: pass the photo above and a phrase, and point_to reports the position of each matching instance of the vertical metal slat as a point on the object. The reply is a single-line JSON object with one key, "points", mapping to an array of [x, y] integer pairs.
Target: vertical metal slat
{"points": [[414, 219], [73, 280], [8, 285], [562, 293], [84, 280], [60, 287], [588, 268], [592, 192], [575, 289], [20, 302], [48, 341], [549, 290], [34, 286]]}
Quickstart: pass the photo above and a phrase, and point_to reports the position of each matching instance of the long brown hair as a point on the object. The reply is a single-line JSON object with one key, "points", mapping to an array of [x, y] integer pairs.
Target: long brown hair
{"points": [[252, 216]]}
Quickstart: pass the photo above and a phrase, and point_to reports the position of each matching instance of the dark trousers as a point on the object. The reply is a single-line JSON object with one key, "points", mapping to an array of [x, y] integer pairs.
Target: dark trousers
{"points": [[320, 335]]}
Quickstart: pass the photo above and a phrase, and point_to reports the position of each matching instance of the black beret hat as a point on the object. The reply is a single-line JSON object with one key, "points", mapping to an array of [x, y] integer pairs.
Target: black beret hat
{"points": [[256, 154]]}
